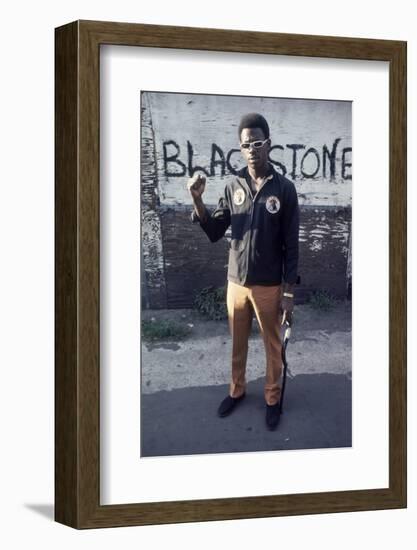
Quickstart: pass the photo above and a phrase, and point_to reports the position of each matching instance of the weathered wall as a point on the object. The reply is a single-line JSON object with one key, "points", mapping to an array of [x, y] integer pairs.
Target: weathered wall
{"points": [[181, 133], [152, 266]]}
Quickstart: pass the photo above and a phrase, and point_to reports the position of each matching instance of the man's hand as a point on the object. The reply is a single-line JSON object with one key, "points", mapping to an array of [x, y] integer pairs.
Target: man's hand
{"points": [[287, 304], [196, 186], [287, 308]]}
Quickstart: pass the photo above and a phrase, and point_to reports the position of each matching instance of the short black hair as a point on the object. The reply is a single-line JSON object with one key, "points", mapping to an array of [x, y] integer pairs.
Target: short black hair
{"points": [[254, 120]]}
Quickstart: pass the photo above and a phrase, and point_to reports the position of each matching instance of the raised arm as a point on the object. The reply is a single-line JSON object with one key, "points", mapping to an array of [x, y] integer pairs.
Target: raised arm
{"points": [[196, 186], [213, 224]]}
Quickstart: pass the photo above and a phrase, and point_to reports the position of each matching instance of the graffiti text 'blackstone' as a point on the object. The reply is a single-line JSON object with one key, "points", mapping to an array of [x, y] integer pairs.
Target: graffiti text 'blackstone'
{"points": [[305, 162]]}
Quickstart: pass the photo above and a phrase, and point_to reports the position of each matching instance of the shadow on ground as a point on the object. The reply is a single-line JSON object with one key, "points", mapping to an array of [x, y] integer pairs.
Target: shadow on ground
{"points": [[45, 510], [317, 414]]}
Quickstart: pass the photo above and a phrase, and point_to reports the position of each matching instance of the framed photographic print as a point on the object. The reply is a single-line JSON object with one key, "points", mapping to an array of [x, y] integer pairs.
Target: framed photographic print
{"points": [[206, 181]]}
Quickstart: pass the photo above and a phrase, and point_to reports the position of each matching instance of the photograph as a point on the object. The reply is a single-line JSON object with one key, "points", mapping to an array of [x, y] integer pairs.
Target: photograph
{"points": [[214, 212], [246, 273], [230, 274]]}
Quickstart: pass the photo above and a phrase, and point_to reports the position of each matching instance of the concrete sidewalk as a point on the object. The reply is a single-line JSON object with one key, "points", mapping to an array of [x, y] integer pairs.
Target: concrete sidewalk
{"points": [[184, 382]]}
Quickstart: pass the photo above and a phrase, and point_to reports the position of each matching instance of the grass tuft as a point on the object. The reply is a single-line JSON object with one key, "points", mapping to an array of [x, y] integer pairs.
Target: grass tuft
{"points": [[163, 330], [211, 303], [322, 300]]}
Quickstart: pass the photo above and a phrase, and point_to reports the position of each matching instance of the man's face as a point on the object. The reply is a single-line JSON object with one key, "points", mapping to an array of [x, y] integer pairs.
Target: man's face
{"points": [[255, 157]]}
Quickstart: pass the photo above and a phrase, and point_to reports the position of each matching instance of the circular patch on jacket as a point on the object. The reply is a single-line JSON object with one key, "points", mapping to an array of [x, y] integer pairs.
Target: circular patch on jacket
{"points": [[239, 197], [272, 204]]}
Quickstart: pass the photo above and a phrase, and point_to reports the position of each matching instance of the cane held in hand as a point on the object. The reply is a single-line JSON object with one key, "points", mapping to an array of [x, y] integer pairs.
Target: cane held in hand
{"points": [[286, 323]]}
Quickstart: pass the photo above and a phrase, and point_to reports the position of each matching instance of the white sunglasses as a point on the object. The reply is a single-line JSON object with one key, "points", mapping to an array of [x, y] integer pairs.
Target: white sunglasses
{"points": [[255, 144]]}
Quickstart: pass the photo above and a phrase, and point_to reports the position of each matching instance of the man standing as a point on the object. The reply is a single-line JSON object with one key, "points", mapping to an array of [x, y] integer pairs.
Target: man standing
{"points": [[262, 208]]}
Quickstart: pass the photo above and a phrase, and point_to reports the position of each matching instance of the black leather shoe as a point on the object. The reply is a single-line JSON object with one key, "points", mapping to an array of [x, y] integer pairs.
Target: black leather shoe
{"points": [[272, 416], [228, 404]]}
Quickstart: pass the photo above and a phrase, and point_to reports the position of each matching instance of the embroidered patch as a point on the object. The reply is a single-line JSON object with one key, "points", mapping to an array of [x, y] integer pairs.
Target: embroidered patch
{"points": [[239, 197], [272, 204]]}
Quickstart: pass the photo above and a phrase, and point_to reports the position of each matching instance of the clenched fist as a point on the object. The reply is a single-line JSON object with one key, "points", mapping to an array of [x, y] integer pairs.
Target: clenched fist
{"points": [[196, 186]]}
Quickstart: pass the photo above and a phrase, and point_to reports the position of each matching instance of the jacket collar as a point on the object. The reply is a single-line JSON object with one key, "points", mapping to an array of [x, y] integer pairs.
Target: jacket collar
{"points": [[245, 178], [244, 173]]}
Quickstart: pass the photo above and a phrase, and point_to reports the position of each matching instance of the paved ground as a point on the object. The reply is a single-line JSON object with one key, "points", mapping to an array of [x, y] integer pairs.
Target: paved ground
{"points": [[184, 382]]}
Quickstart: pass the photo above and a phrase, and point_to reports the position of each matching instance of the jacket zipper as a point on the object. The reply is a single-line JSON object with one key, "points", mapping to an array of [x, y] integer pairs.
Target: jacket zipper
{"points": [[253, 199]]}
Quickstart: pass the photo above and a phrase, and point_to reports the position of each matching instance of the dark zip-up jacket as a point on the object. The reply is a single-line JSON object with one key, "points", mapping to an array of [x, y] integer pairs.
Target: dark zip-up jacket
{"points": [[265, 227]]}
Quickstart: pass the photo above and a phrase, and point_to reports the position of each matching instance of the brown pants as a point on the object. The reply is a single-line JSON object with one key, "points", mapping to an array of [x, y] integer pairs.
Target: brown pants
{"points": [[242, 302]]}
